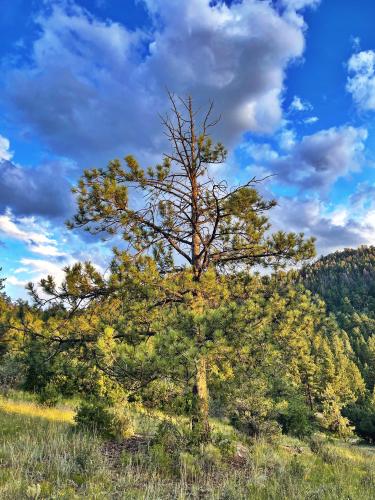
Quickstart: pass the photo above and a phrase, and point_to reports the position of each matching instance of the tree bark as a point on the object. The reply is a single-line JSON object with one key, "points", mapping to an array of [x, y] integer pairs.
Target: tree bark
{"points": [[200, 406], [200, 421]]}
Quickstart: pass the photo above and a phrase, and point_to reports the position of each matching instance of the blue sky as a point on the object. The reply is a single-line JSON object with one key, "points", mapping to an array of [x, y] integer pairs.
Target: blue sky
{"points": [[83, 82]]}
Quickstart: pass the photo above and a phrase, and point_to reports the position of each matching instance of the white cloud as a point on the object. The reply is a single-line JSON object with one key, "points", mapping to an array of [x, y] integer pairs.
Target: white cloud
{"points": [[315, 162], [318, 160], [27, 230], [298, 104], [38, 269], [261, 152], [287, 139], [42, 267], [16, 282], [300, 4], [5, 153], [90, 91], [311, 120], [334, 229], [361, 79]]}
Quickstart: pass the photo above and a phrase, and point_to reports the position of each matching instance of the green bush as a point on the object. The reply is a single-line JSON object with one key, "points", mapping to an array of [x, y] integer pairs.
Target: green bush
{"points": [[172, 450], [109, 422], [11, 373], [296, 419], [171, 437], [49, 395], [166, 447], [363, 418], [211, 457], [254, 416], [320, 445]]}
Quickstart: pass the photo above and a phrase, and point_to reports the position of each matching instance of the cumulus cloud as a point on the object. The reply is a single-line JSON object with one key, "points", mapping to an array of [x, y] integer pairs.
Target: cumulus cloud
{"points": [[299, 4], [93, 88], [318, 160], [44, 190], [363, 196], [287, 139], [334, 230], [27, 230], [34, 270], [361, 79], [5, 153]]}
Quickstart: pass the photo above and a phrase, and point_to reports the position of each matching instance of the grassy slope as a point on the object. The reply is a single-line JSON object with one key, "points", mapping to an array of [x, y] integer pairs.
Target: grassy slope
{"points": [[41, 456]]}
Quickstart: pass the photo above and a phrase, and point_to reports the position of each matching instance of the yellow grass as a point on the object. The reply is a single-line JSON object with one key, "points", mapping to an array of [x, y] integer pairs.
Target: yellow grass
{"points": [[32, 410]]}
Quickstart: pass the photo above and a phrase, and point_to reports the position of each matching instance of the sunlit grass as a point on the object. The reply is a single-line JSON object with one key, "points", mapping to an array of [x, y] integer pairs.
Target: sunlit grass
{"points": [[30, 409], [43, 456]]}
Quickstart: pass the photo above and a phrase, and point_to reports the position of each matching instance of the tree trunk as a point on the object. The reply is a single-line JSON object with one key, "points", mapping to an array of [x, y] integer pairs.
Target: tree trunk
{"points": [[200, 422], [200, 403]]}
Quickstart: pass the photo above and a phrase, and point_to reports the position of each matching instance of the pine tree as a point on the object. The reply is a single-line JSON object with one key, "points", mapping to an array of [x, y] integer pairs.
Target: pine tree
{"points": [[187, 220]]}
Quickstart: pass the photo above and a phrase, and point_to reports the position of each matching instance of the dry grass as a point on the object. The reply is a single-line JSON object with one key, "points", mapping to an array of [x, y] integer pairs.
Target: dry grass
{"points": [[41, 456], [29, 409]]}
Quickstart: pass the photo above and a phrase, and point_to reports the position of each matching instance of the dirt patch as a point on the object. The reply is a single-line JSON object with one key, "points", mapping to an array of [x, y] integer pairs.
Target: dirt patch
{"points": [[135, 444]]}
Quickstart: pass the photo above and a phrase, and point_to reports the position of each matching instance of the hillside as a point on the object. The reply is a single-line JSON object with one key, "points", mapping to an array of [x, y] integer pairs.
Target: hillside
{"points": [[345, 280], [43, 457]]}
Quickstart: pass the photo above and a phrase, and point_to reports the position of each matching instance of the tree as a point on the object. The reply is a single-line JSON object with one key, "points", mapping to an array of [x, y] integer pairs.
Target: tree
{"points": [[188, 221]]}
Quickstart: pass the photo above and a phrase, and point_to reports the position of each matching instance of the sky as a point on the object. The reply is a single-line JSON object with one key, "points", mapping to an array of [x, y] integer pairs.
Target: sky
{"points": [[84, 81]]}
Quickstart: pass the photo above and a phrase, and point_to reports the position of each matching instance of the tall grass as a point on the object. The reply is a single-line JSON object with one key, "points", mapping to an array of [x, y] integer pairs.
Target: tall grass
{"points": [[31, 409], [42, 456]]}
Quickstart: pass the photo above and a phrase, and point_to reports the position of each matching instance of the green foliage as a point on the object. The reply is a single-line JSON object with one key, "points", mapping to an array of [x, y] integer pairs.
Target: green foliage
{"points": [[296, 418], [11, 372], [100, 418], [346, 281], [182, 213], [362, 416]]}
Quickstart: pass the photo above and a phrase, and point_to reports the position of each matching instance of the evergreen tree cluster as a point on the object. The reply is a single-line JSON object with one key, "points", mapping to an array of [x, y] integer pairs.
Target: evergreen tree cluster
{"points": [[345, 280]]}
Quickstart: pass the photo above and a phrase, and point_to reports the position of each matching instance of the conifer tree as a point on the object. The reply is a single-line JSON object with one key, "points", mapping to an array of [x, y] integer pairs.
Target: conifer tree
{"points": [[184, 217]]}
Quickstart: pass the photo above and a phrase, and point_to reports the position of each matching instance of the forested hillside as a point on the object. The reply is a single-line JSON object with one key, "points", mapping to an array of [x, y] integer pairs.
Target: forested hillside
{"points": [[346, 282]]}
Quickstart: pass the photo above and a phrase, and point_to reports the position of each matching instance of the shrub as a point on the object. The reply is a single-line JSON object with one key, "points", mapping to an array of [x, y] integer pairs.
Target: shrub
{"points": [[110, 422], [189, 465], [167, 445], [227, 444], [363, 418], [254, 417], [319, 444], [296, 419], [162, 459], [211, 457], [171, 437], [49, 395], [11, 373], [333, 421]]}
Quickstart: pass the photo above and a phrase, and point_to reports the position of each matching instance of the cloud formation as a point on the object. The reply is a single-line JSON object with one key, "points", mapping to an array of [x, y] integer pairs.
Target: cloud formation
{"points": [[334, 230], [43, 190], [5, 153], [93, 88], [299, 4], [299, 104], [361, 79], [27, 230], [318, 160], [34, 270]]}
